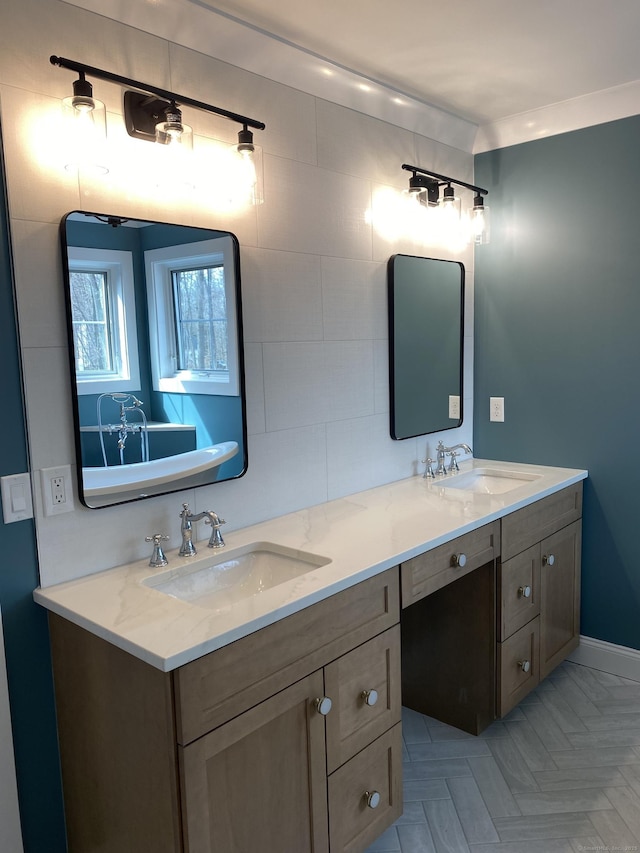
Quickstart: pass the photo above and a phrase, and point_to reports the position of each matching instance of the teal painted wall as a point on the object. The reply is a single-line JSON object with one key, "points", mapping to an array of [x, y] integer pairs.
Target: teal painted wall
{"points": [[557, 334], [26, 635]]}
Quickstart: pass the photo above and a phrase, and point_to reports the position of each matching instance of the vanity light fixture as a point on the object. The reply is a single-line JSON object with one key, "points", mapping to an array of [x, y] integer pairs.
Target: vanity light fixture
{"points": [[424, 187], [153, 114]]}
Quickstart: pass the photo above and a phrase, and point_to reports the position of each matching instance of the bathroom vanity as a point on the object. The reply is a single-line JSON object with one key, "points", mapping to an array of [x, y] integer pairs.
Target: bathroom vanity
{"points": [[275, 721]]}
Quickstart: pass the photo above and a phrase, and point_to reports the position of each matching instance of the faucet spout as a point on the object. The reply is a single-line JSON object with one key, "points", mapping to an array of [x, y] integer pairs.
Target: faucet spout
{"points": [[188, 549], [442, 451]]}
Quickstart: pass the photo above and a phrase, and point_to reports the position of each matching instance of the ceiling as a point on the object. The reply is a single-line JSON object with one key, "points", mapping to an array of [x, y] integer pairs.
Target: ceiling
{"points": [[482, 61]]}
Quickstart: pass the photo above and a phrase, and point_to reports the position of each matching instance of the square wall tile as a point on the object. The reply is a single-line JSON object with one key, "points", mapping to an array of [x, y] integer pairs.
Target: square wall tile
{"points": [[314, 211], [312, 383], [287, 471], [48, 404], [281, 296], [381, 375], [359, 145], [32, 31], [254, 382], [361, 454], [37, 185], [289, 115], [354, 299], [114, 535], [40, 290]]}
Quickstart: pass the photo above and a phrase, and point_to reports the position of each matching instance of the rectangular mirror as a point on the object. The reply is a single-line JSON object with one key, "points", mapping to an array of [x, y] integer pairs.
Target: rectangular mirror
{"points": [[155, 346], [426, 333]]}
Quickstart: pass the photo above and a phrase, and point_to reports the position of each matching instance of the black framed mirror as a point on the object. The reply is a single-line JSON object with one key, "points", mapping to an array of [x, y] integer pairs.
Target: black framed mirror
{"points": [[154, 318], [426, 335]]}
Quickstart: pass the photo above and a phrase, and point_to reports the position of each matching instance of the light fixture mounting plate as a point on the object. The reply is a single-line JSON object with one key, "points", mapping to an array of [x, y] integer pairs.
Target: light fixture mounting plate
{"points": [[142, 112]]}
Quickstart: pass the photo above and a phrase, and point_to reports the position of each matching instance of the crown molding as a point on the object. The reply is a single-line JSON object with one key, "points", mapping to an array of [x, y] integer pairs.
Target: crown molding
{"points": [[563, 117], [189, 23]]}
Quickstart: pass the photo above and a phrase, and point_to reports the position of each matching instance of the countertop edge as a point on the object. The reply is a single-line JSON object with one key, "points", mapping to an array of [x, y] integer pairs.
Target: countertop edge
{"points": [[65, 599]]}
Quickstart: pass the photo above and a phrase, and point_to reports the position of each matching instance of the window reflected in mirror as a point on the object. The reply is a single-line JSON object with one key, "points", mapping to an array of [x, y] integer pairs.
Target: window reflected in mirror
{"points": [[155, 344]]}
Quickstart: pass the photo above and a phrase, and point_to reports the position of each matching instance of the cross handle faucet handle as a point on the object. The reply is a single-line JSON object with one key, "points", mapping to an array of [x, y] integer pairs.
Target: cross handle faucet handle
{"points": [[158, 557]]}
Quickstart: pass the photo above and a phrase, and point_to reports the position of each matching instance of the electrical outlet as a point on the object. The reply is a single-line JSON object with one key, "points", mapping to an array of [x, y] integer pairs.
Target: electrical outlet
{"points": [[454, 407], [57, 495], [496, 409]]}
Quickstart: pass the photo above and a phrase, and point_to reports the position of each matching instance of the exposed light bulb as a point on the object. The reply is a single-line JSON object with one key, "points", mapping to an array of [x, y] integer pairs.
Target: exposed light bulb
{"points": [[247, 171], [479, 221], [86, 131]]}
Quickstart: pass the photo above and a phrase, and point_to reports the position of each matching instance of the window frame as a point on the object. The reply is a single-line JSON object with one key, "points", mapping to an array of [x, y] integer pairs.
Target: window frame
{"points": [[123, 333], [159, 266]]}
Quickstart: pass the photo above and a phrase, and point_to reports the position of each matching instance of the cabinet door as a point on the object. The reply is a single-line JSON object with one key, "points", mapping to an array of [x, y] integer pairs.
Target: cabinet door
{"points": [[259, 781], [560, 599]]}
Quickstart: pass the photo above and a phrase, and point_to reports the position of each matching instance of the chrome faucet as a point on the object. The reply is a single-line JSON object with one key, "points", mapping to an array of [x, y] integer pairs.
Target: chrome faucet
{"points": [[188, 549], [441, 453]]}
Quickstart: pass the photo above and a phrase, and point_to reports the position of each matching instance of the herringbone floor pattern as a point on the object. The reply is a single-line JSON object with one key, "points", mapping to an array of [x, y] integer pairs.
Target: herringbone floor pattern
{"points": [[560, 774]]}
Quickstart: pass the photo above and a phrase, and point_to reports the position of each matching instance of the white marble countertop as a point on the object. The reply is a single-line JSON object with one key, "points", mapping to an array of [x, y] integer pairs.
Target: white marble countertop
{"points": [[362, 534]]}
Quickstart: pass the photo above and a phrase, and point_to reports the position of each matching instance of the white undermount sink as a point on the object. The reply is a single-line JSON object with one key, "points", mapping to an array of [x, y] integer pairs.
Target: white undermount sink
{"points": [[488, 481], [234, 575]]}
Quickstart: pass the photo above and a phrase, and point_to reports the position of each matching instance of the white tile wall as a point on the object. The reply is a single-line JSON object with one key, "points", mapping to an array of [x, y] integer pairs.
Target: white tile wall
{"points": [[314, 277]]}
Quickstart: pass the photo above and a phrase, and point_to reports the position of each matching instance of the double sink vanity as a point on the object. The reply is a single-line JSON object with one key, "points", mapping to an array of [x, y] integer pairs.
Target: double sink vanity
{"points": [[250, 698]]}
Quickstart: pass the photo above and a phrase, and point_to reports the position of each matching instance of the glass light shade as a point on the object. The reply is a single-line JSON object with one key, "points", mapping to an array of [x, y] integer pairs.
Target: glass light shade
{"points": [[174, 134], [85, 135], [170, 163], [246, 179], [479, 224], [449, 208]]}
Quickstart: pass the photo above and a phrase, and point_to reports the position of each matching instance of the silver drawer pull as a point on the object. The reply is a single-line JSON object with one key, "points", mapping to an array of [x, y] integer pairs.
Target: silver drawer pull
{"points": [[548, 560], [370, 697], [372, 799], [459, 560], [524, 665], [524, 592], [323, 705]]}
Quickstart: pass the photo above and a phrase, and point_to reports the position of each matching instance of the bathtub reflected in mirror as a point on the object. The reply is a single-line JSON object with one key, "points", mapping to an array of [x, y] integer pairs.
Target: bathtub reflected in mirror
{"points": [[155, 350]]}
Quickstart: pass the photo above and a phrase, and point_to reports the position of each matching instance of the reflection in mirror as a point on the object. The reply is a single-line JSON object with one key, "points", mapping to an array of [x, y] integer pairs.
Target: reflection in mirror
{"points": [[155, 345], [426, 328]]}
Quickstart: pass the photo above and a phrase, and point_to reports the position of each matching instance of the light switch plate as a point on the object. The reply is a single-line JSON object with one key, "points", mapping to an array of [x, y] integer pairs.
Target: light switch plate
{"points": [[17, 504]]}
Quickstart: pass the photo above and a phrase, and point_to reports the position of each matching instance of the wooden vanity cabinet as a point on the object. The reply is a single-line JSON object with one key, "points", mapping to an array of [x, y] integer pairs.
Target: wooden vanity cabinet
{"points": [[538, 592], [448, 630], [236, 751], [477, 637]]}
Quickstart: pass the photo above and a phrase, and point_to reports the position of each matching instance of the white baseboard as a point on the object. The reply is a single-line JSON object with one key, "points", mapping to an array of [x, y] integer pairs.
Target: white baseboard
{"points": [[607, 657]]}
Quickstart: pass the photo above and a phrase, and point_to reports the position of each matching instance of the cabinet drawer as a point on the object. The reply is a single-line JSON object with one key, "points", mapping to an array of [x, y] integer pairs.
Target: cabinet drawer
{"points": [[213, 689], [359, 715], [518, 665], [353, 823], [529, 525], [519, 585], [434, 569]]}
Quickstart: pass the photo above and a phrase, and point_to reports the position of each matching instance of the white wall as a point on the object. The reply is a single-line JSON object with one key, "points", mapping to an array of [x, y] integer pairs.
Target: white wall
{"points": [[314, 278]]}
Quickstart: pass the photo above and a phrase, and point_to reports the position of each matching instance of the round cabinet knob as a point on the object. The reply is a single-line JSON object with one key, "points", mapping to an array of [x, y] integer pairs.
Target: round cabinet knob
{"points": [[372, 799], [548, 560], [524, 665], [370, 697], [524, 591], [323, 705], [459, 560]]}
